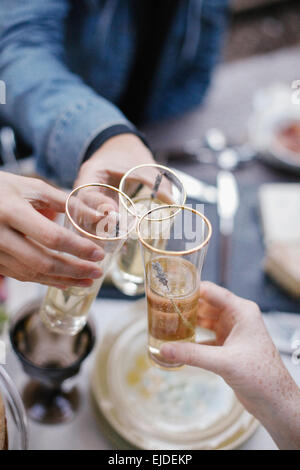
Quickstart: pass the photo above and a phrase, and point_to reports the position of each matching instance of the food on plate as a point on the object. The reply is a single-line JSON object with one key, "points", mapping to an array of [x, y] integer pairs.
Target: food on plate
{"points": [[288, 136]]}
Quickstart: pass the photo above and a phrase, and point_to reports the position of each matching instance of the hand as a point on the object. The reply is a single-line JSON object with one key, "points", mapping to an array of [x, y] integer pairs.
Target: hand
{"points": [[113, 159], [27, 237], [245, 356]]}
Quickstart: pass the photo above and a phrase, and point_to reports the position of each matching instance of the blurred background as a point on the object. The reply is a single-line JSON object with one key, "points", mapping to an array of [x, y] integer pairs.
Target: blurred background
{"points": [[249, 108], [276, 24], [256, 27]]}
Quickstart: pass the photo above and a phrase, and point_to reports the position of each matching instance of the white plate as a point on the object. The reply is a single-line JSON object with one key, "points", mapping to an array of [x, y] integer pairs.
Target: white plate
{"points": [[273, 108], [155, 409]]}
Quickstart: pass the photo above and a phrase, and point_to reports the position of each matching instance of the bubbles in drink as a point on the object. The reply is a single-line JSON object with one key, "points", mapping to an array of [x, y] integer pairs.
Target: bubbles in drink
{"points": [[66, 311], [172, 299], [128, 272]]}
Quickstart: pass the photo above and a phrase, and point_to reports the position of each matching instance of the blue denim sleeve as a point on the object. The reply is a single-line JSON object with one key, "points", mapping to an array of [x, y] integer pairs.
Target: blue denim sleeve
{"points": [[53, 108]]}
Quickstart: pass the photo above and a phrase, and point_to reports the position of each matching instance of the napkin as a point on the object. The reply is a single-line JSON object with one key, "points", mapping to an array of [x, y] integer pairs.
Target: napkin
{"points": [[279, 208]]}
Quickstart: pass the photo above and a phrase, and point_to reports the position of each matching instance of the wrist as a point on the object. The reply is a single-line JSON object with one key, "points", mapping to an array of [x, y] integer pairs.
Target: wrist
{"points": [[129, 142], [111, 132], [113, 159], [124, 147]]}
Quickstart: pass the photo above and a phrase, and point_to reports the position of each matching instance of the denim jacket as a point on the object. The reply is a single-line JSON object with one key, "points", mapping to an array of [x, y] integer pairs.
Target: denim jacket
{"points": [[65, 63]]}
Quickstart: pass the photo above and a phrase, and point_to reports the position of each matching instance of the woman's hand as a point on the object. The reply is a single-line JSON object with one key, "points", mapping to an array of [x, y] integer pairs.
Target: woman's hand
{"points": [[27, 237], [245, 356]]}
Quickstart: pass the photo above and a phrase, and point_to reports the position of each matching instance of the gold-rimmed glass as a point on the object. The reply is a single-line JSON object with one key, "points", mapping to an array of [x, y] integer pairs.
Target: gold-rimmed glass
{"points": [[148, 186], [105, 215], [172, 273]]}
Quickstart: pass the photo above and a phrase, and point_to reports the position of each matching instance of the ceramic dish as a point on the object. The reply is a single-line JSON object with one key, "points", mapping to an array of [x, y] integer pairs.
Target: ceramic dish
{"points": [[148, 408], [273, 112]]}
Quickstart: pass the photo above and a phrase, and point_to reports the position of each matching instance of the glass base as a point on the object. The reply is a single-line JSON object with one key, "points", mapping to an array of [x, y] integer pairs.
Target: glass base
{"points": [[127, 284], [156, 361], [69, 325], [50, 405]]}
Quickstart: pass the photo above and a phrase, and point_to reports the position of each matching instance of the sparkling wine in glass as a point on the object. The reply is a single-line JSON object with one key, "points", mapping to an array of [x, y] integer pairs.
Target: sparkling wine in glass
{"points": [[172, 274], [106, 216], [148, 186]]}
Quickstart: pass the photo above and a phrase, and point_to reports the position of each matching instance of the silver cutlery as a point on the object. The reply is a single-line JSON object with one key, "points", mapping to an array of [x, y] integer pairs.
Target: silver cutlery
{"points": [[207, 149], [197, 189], [227, 204], [228, 197]]}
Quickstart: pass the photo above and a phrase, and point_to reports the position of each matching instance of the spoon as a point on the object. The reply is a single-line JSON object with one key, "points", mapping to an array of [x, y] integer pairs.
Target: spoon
{"points": [[228, 158]]}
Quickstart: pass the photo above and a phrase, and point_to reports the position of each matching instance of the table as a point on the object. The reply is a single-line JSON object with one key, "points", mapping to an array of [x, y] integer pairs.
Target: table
{"points": [[228, 107], [84, 432]]}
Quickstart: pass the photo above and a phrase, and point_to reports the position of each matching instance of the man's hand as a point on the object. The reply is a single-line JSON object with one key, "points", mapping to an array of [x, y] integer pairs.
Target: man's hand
{"points": [[27, 237], [245, 356], [113, 159]]}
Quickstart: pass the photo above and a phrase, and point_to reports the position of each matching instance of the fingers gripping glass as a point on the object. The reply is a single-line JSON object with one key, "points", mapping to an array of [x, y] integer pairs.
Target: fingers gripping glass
{"points": [[106, 216]]}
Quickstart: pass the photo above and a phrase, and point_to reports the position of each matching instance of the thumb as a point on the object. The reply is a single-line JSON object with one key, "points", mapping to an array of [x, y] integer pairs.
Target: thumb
{"points": [[198, 355]]}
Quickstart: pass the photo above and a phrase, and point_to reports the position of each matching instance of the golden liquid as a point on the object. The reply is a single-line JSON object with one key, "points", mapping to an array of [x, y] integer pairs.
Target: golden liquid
{"points": [[129, 267], [172, 310], [66, 311]]}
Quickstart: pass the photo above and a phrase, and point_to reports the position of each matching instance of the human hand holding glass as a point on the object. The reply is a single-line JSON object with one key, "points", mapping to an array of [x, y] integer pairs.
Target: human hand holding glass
{"points": [[28, 239], [244, 355], [106, 216]]}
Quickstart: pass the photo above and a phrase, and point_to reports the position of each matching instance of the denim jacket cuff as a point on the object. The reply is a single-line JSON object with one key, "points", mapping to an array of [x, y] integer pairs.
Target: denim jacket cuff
{"points": [[73, 133]]}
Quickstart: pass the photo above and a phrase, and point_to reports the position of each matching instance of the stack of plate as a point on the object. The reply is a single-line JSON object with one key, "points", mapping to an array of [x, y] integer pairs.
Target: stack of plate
{"points": [[144, 407]]}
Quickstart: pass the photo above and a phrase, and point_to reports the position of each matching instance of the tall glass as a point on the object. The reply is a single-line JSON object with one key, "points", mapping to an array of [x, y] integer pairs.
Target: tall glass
{"points": [[148, 186], [172, 274], [106, 216]]}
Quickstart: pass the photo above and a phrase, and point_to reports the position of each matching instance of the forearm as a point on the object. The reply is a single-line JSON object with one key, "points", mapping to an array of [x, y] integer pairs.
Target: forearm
{"points": [[277, 407], [281, 418], [53, 108], [248, 361]]}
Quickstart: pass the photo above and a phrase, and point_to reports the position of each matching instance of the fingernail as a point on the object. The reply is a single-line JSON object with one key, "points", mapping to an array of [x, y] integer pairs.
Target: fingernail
{"points": [[168, 351], [97, 255], [96, 274]]}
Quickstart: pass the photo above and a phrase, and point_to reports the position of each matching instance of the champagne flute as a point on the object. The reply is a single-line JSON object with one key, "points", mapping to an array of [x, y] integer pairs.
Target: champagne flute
{"points": [[148, 186], [172, 274], [106, 216]]}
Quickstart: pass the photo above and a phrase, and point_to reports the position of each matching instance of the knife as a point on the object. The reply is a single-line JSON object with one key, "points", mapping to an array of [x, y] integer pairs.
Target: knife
{"points": [[197, 189], [227, 204]]}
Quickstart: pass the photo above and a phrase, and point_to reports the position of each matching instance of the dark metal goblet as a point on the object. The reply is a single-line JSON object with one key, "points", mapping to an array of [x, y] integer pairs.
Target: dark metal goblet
{"points": [[50, 359]]}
